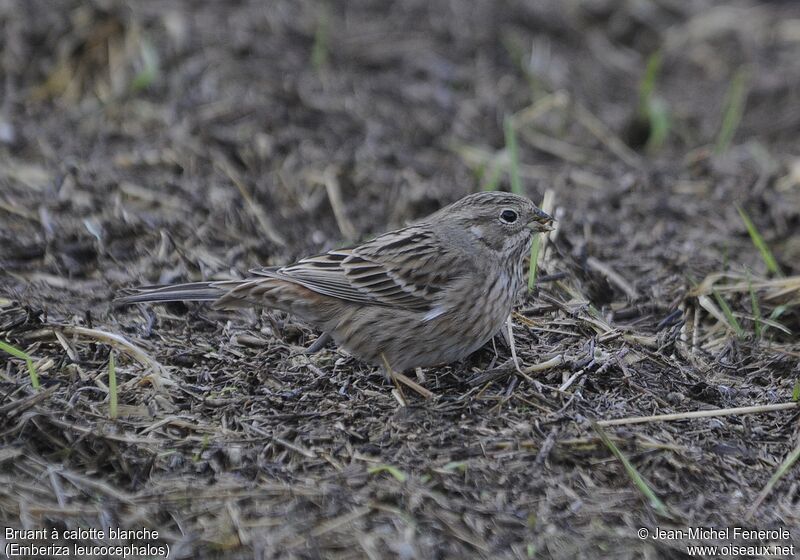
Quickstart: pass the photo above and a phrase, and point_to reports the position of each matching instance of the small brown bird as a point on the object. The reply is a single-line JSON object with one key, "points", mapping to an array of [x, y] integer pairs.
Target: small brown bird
{"points": [[428, 294]]}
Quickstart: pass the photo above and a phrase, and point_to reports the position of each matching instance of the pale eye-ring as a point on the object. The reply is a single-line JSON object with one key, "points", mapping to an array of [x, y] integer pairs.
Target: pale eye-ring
{"points": [[508, 216]]}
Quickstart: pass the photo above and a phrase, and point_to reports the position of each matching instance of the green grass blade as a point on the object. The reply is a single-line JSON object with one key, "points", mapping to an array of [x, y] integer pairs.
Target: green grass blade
{"points": [[32, 374], [648, 85], [513, 155], [774, 316], [755, 307], [494, 178], [14, 351], [652, 108], [761, 245], [778, 311], [112, 386], [734, 104], [654, 501], [784, 468], [796, 391], [319, 51], [659, 119], [392, 470], [455, 465], [150, 68], [17, 353], [537, 240], [733, 322], [790, 460]]}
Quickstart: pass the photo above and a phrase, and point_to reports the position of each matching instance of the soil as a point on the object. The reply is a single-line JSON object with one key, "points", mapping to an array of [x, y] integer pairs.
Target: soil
{"points": [[169, 141]]}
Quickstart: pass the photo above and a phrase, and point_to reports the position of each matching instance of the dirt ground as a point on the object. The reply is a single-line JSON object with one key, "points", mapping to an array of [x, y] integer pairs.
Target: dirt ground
{"points": [[168, 141]]}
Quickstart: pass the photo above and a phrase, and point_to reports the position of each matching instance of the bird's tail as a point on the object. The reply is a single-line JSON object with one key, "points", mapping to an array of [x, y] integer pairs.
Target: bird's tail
{"points": [[264, 290], [193, 291]]}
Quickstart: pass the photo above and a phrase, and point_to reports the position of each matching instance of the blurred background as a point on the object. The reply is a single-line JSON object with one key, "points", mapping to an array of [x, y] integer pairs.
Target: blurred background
{"points": [[260, 131], [163, 141]]}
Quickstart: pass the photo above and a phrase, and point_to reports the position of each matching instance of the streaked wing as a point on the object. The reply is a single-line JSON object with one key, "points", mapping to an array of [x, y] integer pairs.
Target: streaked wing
{"points": [[405, 268]]}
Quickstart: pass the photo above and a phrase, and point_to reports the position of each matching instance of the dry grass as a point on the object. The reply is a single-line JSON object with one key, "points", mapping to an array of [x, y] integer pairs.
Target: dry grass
{"points": [[154, 143]]}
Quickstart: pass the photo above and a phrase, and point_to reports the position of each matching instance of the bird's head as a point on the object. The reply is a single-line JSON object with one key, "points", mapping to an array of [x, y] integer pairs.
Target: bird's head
{"points": [[502, 221]]}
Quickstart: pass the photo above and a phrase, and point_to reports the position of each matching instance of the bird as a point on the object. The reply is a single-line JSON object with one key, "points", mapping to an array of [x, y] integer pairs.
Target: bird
{"points": [[428, 294]]}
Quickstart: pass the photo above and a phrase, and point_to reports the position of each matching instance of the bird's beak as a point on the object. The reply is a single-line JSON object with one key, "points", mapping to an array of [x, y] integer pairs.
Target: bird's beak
{"points": [[541, 222]]}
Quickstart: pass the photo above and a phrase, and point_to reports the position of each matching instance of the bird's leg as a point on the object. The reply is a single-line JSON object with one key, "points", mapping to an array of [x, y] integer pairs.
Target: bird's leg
{"points": [[318, 344], [514, 354], [397, 378], [515, 360], [506, 367], [391, 376], [509, 336]]}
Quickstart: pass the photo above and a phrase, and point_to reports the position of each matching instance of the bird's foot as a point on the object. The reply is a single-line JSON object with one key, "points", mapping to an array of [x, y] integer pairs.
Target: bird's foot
{"points": [[318, 344]]}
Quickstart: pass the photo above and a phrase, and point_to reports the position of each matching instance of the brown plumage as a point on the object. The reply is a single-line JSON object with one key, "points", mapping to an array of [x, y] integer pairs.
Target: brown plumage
{"points": [[430, 293]]}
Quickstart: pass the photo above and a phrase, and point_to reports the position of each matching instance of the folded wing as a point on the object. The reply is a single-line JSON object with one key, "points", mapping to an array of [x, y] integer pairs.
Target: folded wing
{"points": [[404, 268]]}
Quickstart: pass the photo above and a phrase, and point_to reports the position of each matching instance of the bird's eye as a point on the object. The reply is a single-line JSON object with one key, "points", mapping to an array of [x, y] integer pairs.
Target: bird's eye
{"points": [[508, 216]]}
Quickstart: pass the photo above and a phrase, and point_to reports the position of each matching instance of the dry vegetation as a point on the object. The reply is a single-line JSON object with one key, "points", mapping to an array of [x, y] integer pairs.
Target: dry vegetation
{"points": [[173, 140]]}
